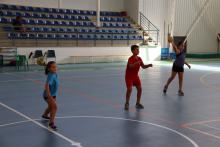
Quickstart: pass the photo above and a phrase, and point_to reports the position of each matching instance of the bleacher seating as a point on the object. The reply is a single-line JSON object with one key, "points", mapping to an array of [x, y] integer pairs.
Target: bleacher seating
{"points": [[66, 24]]}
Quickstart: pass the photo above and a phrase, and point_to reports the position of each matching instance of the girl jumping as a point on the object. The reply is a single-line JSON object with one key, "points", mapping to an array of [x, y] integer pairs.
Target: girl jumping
{"points": [[178, 65]]}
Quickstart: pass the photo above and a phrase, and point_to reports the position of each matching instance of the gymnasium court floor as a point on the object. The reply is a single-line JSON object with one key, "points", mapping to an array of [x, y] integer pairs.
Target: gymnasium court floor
{"points": [[91, 111]]}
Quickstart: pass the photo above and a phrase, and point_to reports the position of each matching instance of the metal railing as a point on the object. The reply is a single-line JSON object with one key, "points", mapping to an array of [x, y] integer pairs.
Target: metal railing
{"points": [[149, 28]]}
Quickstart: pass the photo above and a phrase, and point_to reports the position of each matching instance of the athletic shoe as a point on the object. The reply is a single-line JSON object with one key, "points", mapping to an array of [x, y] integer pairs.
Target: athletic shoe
{"points": [[139, 106], [126, 107], [181, 93], [45, 117], [165, 89], [52, 126]]}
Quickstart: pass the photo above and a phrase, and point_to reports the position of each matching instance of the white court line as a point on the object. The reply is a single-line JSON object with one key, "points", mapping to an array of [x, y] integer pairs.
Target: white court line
{"points": [[116, 118], [77, 144]]}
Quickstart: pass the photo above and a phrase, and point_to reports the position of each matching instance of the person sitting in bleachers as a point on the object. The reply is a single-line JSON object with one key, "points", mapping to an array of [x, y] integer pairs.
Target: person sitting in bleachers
{"points": [[18, 24]]}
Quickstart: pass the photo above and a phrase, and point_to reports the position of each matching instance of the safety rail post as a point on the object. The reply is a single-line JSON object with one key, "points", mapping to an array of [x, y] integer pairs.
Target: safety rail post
{"points": [[112, 42], [128, 41], [77, 38]]}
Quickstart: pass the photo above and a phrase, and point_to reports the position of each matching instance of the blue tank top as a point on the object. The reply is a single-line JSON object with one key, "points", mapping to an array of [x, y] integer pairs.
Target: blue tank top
{"points": [[180, 59]]}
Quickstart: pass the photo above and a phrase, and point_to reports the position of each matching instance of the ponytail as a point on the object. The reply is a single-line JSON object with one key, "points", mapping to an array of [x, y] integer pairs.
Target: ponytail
{"points": [[47, 68]]}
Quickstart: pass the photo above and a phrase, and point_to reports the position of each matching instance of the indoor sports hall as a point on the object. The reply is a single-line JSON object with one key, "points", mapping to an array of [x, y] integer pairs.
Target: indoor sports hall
{"points": [[109, 73]]}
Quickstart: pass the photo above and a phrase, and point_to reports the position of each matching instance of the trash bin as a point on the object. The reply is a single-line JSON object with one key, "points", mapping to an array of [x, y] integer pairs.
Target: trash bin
{"points": [[164, 53]]}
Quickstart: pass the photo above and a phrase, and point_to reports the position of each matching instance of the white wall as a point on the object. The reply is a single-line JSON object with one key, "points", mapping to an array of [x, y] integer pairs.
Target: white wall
{"points": [[156, 11], [132, 8], [106, 5], [203, 36], [64, 54]]}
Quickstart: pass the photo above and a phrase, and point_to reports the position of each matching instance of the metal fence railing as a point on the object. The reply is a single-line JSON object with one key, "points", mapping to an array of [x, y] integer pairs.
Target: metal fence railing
{"points": [[149, 28]]}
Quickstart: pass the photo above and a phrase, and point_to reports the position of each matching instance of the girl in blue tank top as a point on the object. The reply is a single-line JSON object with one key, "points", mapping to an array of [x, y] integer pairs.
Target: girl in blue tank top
{"points": [[50, 93], [178, 65]]}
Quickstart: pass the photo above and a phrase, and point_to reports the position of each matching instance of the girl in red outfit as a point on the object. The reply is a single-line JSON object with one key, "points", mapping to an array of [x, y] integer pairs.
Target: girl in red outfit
{"points": [[132, 78]]}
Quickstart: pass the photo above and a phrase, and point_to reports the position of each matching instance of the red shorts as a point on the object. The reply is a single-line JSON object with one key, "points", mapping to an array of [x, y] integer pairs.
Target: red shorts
{"points": [[132, 82]]}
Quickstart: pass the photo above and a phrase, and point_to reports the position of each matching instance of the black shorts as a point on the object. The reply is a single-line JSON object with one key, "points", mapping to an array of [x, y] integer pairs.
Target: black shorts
{"points": [[177, 68], [45, 98]]}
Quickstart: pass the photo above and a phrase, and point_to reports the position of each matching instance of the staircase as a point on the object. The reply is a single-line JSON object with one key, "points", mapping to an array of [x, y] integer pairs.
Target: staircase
{"points": [[150, 31]]}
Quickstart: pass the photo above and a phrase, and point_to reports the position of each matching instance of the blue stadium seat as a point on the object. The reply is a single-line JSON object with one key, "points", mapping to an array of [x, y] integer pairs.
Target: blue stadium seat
{"points": [[3, 20], [115, 37], [44, 16], [68, 36], [78, 24], [49, 29], [79, 18], [50, 36], [125, 25], [35, 15], [89, 37], [76, 12], [63, 11], [119, 25], [112, 24], [18, 14], [105, 24], [56, 23], [62, 30], [26, 14], [29, 9], [109, 37], [74, 36], [41, 29], [12, 7], [67, 17], [98, 31], [83, 18], [45, 30], [7, 28], [57, 36], [82, 30], [80, 36], [102, 19], [68, 11], [68, 30], [37, 9], [24, 35], [3, 6], [41, 22], [49, 22], [72, 23], [85, 24], [35, 29], [32, 36], [54, 29], [59, 16], [11, 35], [140, 38], [91, 24], [8, 13], [39, 36]]}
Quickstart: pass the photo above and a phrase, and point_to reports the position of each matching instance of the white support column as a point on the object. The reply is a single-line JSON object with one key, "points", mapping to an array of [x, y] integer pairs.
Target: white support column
{"points": [[59, 3], [98, 9]]}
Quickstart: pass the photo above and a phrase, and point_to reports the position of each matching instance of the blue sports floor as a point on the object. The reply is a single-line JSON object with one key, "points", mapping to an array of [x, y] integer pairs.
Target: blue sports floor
{"points": [[90, 109]]}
